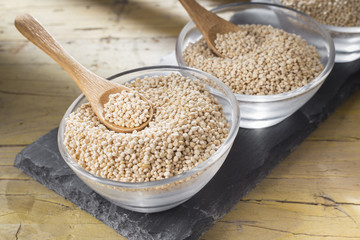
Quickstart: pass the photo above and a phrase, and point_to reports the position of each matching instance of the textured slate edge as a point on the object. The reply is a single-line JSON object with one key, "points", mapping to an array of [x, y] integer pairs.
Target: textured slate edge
{"points": [[190, 220]]}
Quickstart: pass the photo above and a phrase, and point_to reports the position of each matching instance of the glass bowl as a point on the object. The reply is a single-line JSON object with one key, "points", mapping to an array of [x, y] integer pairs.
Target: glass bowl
{"points": [[167, 193], [346, 41], [259, 111]]}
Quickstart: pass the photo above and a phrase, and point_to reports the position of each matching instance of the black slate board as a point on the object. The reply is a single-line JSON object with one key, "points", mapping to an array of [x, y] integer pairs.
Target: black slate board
{"points": [[254, 154]]}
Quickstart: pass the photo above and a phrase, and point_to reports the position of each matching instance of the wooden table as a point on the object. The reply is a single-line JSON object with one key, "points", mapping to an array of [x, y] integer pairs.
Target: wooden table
{"points": [[313, 194]]}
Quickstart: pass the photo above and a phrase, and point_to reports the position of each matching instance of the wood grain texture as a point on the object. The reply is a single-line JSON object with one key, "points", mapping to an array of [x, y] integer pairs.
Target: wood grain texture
{"points": [[313, 194]]}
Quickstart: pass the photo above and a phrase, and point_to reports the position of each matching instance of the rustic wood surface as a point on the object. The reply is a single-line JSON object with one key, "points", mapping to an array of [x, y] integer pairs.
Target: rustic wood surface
{"points": [[313, 194]]}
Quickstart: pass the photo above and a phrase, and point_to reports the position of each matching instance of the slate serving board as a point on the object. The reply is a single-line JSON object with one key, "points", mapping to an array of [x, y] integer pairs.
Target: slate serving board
{"points": [[254, 154]]}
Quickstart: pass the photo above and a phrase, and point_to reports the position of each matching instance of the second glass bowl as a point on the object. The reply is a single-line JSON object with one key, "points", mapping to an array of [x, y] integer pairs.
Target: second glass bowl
{"points": [[259, 111]]}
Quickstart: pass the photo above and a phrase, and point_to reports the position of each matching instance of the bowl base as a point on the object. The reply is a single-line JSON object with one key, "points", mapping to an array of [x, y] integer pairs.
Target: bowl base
{"points": [[260, 123], [343, 57], [148, 209]]}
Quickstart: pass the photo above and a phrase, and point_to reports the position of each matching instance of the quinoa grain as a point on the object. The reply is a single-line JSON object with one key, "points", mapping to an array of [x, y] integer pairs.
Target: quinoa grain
{"points": [[342, 13], [259, 60], [188, 127]]}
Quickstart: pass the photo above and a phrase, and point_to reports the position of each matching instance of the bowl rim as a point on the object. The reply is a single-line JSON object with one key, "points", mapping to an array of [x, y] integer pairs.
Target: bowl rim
{"points": [[235, 118], [274, 97]]}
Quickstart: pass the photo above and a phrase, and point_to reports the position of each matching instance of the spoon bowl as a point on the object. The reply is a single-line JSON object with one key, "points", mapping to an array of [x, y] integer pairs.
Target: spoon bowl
{"points": [[95, 88], [104, 98], [208, 23]]}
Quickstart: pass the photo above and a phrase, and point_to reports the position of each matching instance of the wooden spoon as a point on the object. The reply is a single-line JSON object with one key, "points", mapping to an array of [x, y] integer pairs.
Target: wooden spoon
{"points": [[95, 88], [208, 23]]}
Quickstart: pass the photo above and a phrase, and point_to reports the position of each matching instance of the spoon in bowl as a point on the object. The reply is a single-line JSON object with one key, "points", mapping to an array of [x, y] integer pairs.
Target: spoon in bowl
{"points": [[208, 23], [95, 88]]}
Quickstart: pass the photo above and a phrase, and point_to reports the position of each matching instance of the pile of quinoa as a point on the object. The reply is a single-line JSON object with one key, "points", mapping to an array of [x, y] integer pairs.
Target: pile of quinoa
{"points": [[127, 109], [342, 13], [188, 126], [258, 60]]}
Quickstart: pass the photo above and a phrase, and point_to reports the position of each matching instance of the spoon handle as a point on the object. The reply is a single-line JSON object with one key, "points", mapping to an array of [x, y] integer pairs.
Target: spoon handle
{"points": [[37, 34], [203, 19]]}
